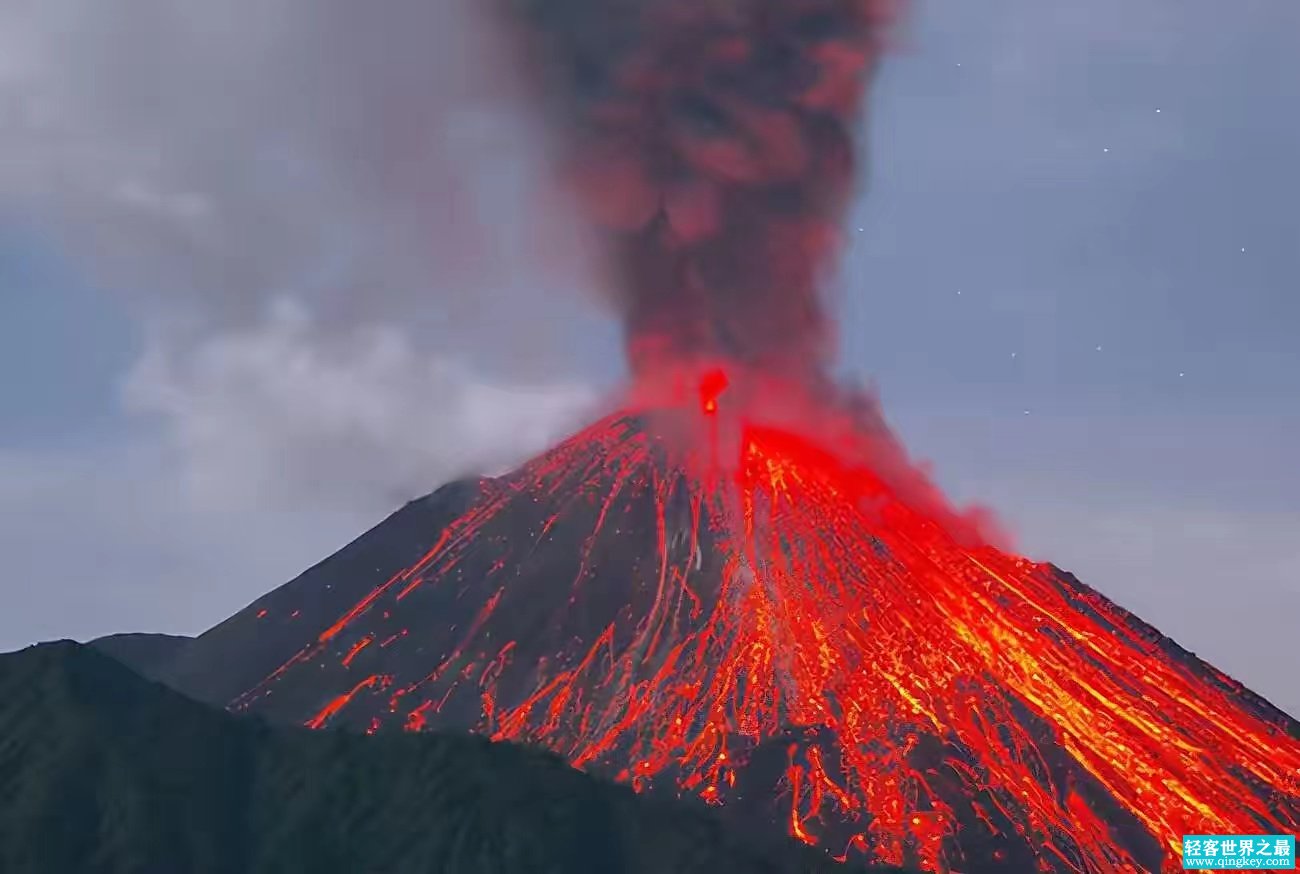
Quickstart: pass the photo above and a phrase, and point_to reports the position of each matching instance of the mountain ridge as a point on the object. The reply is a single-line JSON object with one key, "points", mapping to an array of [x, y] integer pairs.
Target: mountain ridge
{"points": [[105, 772]]}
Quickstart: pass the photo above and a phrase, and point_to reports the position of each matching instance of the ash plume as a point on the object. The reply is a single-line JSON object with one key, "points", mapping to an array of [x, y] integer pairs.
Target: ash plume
{"points": [[713, 143]]}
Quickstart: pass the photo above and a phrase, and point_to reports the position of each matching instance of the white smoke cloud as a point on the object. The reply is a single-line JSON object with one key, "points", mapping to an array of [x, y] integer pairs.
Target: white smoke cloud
{"points": [[332, 419], [335, 220]]}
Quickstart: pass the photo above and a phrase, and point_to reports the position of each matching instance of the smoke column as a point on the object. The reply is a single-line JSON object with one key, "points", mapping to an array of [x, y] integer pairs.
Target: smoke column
{"points": [[712, 141]]}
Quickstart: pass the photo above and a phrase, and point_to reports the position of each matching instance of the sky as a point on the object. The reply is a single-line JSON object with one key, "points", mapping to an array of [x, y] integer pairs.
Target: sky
{"points": [[271, 267]]}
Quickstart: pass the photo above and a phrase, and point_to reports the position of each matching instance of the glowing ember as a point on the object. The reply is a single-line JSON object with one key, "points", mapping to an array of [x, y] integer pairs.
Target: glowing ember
{"points": [[712, 385], [668, 619]]}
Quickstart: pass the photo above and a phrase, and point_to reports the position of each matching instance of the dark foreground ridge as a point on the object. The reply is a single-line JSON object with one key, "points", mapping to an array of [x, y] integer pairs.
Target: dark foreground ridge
{"points": [[102, 772]]}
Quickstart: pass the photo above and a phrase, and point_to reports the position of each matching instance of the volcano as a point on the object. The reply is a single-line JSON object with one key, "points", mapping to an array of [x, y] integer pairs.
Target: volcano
{"points": [[736, 587], [703, 604]]}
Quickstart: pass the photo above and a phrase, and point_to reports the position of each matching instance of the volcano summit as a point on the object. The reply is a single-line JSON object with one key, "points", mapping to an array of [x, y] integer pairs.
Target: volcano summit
{"points": [[706, 605]]}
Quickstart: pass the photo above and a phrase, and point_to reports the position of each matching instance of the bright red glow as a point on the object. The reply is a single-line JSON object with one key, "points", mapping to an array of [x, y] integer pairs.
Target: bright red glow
{"points": [[712, 385], [920, 684]]}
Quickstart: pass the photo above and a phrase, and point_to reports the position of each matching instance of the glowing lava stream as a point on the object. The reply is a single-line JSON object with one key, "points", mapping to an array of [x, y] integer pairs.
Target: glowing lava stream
{"points": [[837, 609]]}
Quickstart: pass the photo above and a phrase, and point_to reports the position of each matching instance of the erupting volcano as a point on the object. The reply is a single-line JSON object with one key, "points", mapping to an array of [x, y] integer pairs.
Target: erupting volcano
{"points": [[767, 623], [736, 587]]}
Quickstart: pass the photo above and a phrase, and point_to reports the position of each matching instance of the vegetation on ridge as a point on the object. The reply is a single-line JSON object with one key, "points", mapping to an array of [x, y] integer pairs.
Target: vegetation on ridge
{"points": [[103, 772]]}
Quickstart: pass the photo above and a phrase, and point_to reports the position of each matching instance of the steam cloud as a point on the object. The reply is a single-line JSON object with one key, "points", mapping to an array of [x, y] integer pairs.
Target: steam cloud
{"points": [[712, 141], [337, 224]]}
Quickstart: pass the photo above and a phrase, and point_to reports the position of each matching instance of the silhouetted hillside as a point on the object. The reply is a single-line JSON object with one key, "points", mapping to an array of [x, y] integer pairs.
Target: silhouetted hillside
{"points": [[148, 654], [103, 771]]}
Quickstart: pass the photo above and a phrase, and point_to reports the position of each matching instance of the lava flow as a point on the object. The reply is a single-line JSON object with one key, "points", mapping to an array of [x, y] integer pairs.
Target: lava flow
{"points": [[677, 616]]}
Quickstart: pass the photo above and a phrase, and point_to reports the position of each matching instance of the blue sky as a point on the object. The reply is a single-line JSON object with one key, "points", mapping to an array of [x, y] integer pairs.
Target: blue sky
{"points": [[1074, 286]]}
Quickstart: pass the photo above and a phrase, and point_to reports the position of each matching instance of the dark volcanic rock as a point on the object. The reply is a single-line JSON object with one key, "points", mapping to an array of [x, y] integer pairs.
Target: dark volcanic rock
{"points": [[232, 657], [150, 655]]}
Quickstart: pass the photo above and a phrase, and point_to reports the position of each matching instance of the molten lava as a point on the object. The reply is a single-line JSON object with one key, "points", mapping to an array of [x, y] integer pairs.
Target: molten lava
{"points": [[673, 620]]}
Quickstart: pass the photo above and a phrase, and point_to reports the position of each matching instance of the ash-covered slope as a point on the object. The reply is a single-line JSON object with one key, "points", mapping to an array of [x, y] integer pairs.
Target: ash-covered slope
{"points": [[148, 654], [789, 639], [230, 658], [103, 772]]}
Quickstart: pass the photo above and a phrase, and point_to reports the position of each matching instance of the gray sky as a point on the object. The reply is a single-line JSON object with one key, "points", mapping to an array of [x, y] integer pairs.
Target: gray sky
{"points": [[264, 274]]}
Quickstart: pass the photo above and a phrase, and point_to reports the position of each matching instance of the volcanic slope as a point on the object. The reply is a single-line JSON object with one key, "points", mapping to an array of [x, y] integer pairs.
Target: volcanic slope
{"points": [[103, 772], [788, 638], [148, 654]]}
